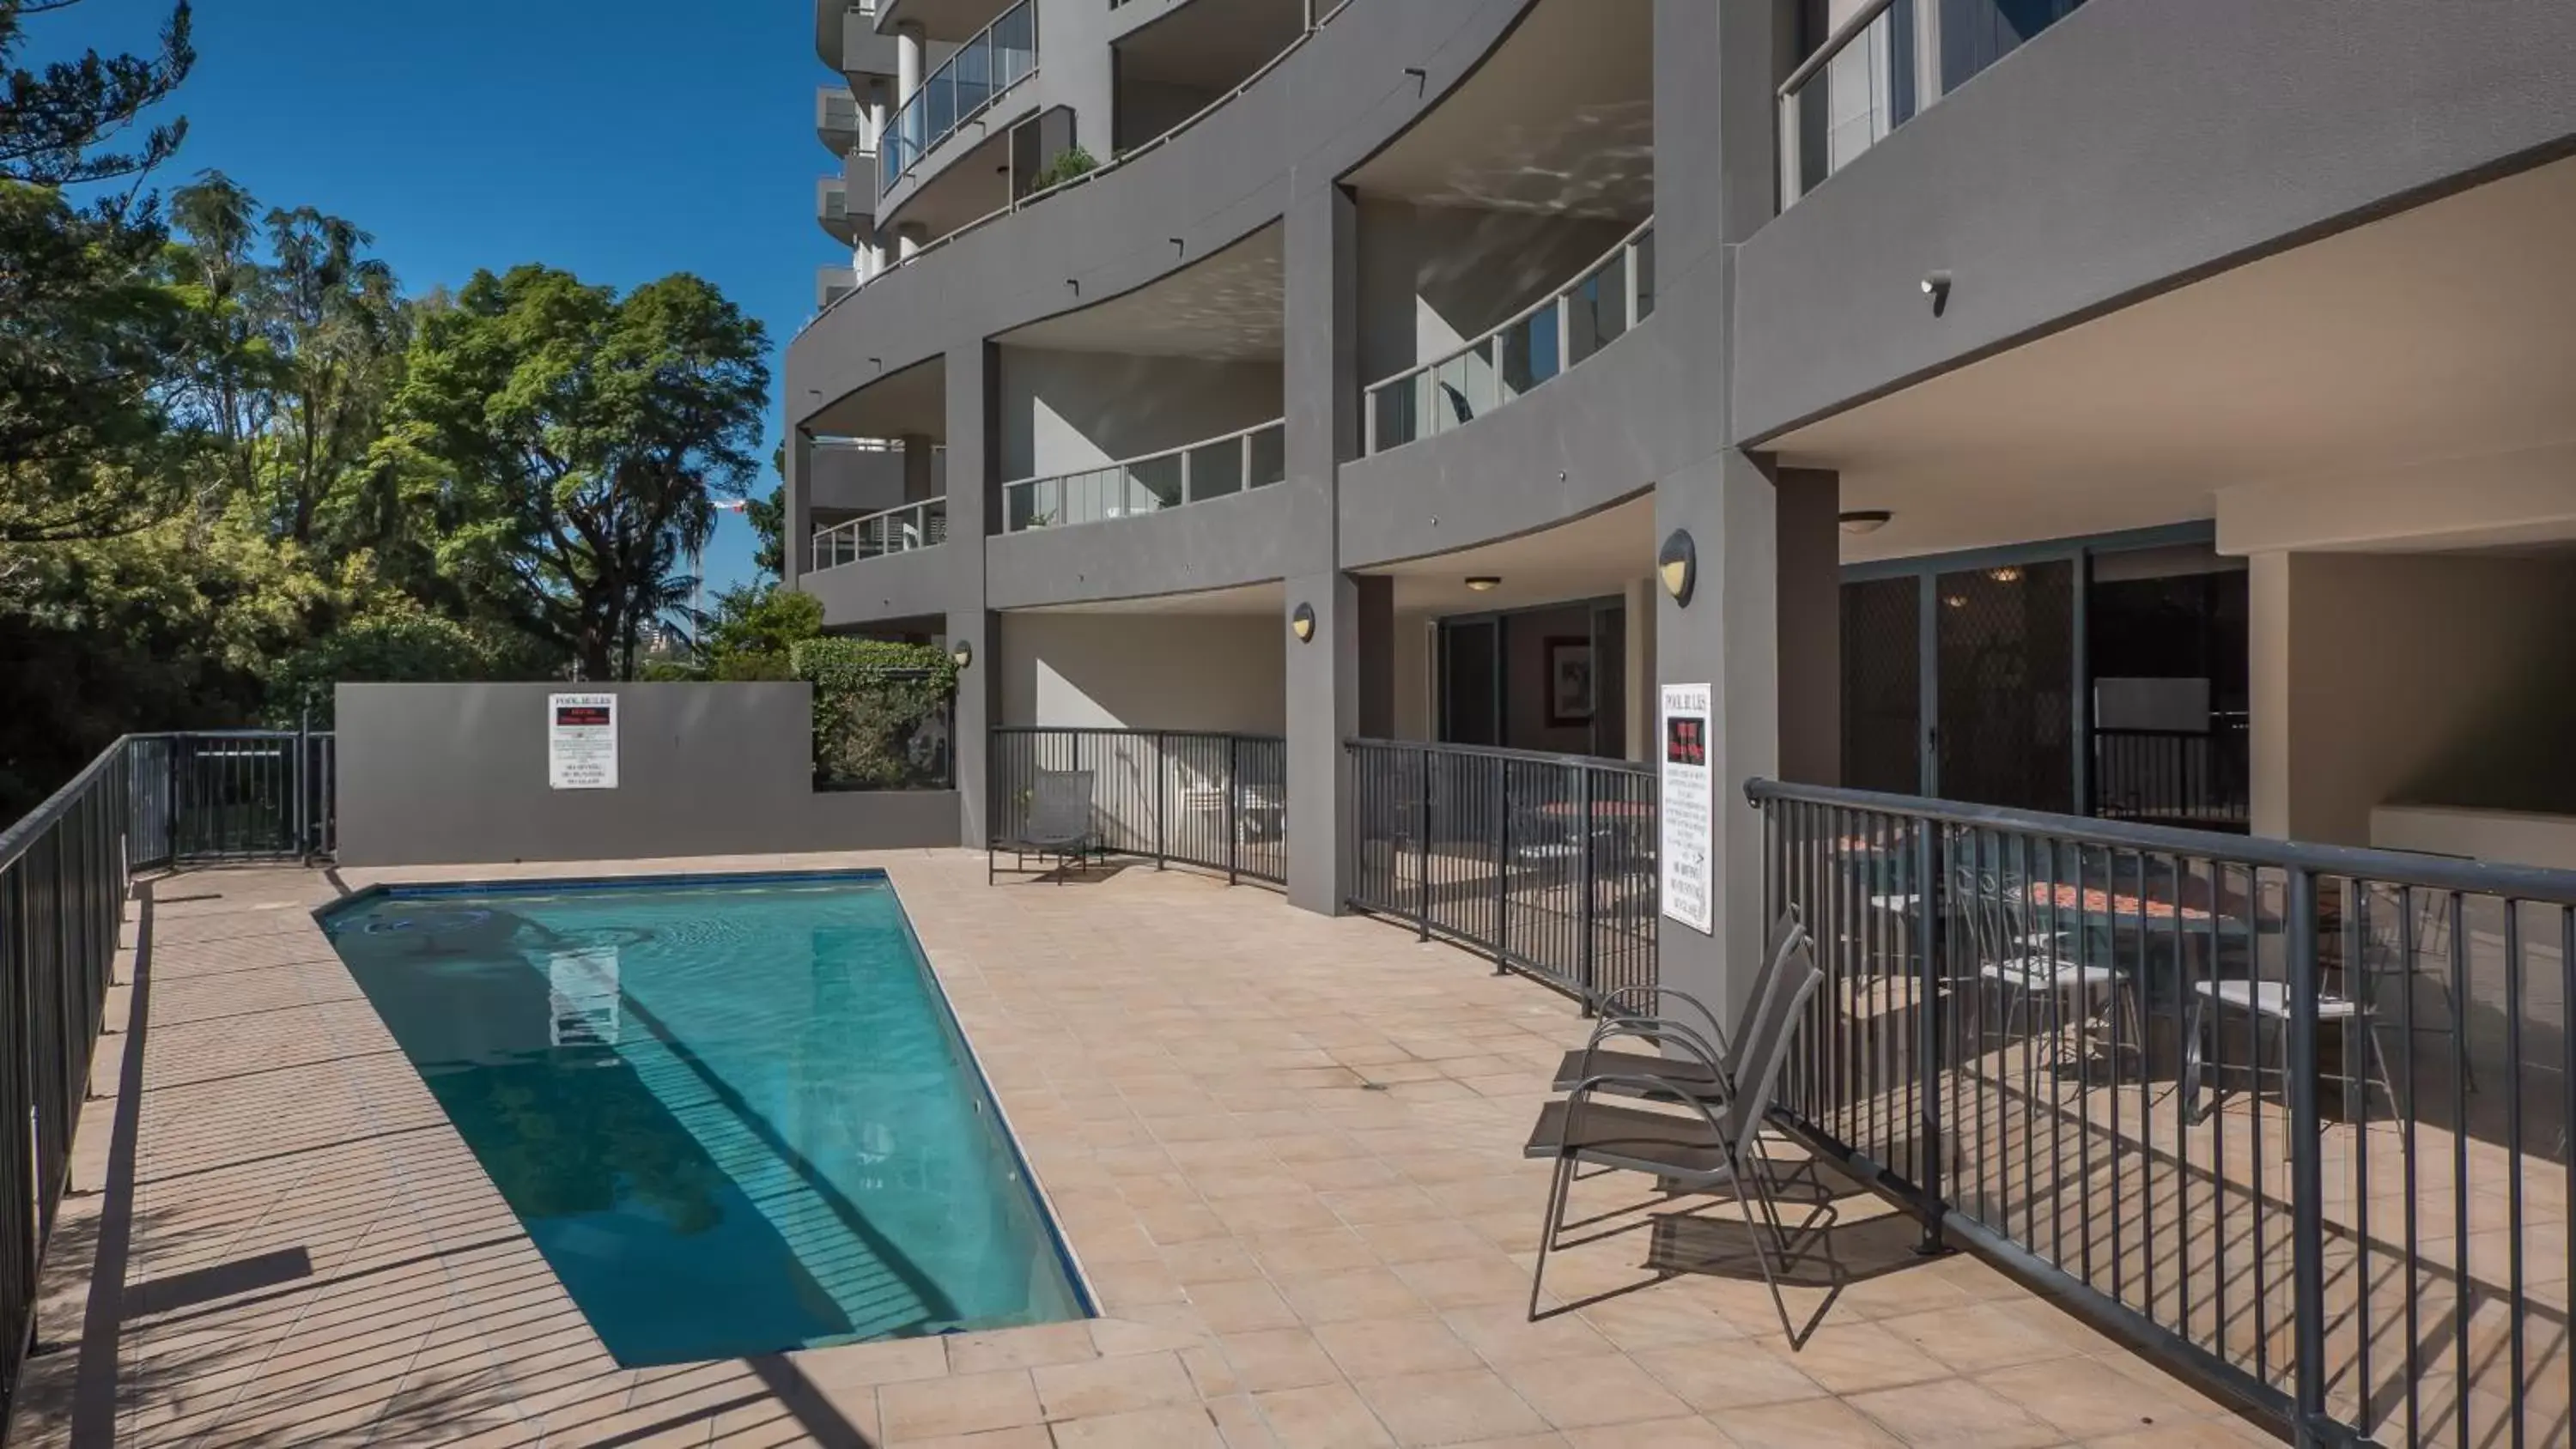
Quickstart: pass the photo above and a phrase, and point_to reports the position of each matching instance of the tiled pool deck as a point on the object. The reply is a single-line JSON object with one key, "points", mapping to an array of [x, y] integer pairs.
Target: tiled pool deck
{"points": [[1286, 1150]]}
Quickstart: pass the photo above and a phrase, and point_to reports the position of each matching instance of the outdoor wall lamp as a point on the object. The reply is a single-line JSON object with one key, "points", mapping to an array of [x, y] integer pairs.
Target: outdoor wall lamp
{"points": [[962, 652], [1677, 565], [1866, 520], [1302, 623], [1937, 287], [1484, 583]]}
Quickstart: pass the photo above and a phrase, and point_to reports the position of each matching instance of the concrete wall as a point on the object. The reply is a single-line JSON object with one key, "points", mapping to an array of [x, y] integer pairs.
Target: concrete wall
{"points": [[434, 774], [1066, 411], [2409, 679], [1145, 671], [1433, 276]]}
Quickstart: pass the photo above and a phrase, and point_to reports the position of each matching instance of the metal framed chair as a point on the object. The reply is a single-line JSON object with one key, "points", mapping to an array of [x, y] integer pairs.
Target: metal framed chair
{"points": [[1715, 1143], [1059, 825], [1642, 1007], [2027, 965]]}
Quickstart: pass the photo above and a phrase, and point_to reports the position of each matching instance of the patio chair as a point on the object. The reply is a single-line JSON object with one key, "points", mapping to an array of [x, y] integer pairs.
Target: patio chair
{"points": [[1058, 825], [2029, 965], [1642, 1006], [1714, 1144]]}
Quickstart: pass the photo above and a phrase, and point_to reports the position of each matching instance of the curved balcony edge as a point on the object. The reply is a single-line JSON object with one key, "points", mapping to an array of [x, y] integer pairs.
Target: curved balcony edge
{"points": [[1109, 232], [1586, 440], [2126, 150], [917, 584], [1221, 543]]}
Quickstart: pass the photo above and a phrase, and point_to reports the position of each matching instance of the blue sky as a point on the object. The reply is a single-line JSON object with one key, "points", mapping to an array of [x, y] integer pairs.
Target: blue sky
{"points": [[621, 139]]}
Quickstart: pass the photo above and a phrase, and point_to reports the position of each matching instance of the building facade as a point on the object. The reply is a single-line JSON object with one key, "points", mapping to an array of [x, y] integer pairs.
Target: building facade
{"points": [[2159, 409]]}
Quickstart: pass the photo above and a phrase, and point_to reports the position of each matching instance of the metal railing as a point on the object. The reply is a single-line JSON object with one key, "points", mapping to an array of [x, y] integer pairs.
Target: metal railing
{"points": [[1544, 862], [900, 529], [2172, 777], [2102, 1053], [1255, 457], [65, 870], [1538, 343], [1883, 65], [1321, 14], [1190, 797], [1000, 56]]}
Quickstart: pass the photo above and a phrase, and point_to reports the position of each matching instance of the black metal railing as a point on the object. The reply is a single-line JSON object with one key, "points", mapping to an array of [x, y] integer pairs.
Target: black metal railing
{"points": [[1544, 862], [2101, 1051], [2170, 777], [147, 802], [1175, 797]]}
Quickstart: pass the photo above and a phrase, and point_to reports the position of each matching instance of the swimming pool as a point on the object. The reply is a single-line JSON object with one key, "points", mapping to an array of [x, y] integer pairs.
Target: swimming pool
{"points": [[736, 1116]]}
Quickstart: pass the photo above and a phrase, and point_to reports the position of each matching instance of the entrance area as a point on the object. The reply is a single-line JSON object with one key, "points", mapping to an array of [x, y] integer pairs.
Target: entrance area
{"points": [[1549, 678], [2102, 676]]}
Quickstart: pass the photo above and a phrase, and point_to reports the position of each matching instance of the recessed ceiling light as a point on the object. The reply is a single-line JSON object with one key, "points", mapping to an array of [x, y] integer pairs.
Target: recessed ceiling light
{"points": [[1484, 583], [1866, 520]]}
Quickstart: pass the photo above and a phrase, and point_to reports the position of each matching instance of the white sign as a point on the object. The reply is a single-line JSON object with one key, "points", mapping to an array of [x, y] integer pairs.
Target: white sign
{"points": [[581, 741], [1689, 807]]}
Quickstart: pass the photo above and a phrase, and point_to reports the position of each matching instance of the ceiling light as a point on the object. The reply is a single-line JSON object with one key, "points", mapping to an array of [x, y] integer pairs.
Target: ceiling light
{"points": [[1484, 583], [1866, 520], [2008, 574]]}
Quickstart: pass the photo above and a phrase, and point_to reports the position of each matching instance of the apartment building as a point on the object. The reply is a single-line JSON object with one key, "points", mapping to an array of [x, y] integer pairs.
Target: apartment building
{"points": [[2158, 409]]}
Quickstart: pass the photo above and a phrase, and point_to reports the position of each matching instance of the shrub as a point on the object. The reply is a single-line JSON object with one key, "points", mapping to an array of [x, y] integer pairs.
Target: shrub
{"points": [[1069, 163], [881, 712]]}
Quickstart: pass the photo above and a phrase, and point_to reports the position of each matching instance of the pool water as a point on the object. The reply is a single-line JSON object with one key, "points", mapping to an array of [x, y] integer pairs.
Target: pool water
{"points": [[736, 1117]]}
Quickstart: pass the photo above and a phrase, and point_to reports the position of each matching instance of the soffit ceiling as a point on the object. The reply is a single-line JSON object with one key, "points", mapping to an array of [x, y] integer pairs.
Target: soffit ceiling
{"points": [[1231, 306]]}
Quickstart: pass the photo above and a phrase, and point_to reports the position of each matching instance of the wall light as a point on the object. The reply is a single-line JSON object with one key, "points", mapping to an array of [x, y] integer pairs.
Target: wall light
{"points": [[1484, 583], [1302, 623], [1866, 520], [962, 652], [1937, 287], [1677, 564]]}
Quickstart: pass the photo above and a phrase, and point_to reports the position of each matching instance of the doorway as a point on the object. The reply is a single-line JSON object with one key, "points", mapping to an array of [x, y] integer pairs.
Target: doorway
{"points": [[1550, 678]]}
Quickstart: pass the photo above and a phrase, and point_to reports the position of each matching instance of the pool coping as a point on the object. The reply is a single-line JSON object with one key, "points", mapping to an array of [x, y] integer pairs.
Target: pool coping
{"points": [[1067, 1255]]}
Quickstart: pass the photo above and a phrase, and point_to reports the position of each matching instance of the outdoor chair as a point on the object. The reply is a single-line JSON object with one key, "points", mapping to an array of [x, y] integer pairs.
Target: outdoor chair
{"points": [[2029, 966], [2269, 1001], [1058, 825], [1714, 1144], [1642, 1007]]}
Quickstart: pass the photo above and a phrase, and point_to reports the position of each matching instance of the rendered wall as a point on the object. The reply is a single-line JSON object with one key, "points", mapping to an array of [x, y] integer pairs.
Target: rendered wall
{"points": [[1431, 277], [1064, 411], [1145, 671], [2408, 679], [433, 774]]}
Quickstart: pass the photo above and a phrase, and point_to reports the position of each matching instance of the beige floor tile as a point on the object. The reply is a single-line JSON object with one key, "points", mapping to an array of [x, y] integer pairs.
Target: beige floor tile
{"points": [[2084, 1398], [1326, 1416], [1030, 1436], [1010, 1348], [1278, 1358], [1356, 1294], [958, 1404], [1980, 1336], [1955, 1414], [1581, 1393], [1691, 1433], [1854, 1358], [1378, 1347], [1463, 1282], [1450, 1408], [1242, 1307], [1192, 1427], [1805, 1424], [1720, 1376], [1113, 1385], [1502, 1334]]}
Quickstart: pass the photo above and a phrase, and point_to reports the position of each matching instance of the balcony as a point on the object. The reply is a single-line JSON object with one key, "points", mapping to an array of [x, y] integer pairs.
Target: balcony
{"points": [[832, 209], [1175, 478], [896, 530], [1555, 334], [1886, 63], [999, 57], [831, 284], [838, 123]]}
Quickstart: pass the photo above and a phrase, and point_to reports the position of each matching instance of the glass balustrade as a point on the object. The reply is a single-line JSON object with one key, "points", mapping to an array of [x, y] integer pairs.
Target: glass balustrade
{"points": [[1253, 458], [895, 530], [1598, 307], [999, 57]]}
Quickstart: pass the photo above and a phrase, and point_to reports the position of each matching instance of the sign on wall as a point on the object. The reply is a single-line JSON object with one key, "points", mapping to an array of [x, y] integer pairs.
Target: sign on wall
{"points": [[581, 741], [1689, 807]]}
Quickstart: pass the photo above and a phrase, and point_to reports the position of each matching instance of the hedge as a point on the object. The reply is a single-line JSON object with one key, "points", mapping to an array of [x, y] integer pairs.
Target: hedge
{"points": [[881, 712]]}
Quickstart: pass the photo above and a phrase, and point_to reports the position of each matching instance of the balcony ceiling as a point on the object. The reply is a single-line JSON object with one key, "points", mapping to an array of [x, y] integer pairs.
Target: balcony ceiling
{"points": [[1592, 556], [2437, 333], [1231, 306], [949, 20], [913, 401], [1211, 44], [1560, 118]]}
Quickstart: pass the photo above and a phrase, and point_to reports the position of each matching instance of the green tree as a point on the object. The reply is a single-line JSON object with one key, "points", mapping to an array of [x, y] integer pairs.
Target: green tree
{"points": [[768, 519], [56, 122], [585, 437]]}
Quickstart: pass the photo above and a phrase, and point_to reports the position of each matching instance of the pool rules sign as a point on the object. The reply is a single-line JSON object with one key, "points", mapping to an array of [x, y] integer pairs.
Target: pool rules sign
{"points": [[581, 741], [1689, 807]]}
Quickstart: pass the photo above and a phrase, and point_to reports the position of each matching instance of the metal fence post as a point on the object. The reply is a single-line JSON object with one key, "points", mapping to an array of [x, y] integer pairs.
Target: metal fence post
{"points": [[1422, 881], [1502, 866], [303, 784], [1162, 773], [1233, 808], [2307, 1167], [171, 823], [1927, 1029], [1583, 906]]}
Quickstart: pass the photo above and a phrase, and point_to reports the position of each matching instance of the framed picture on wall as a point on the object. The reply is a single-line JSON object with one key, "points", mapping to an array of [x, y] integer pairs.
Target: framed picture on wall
{"points": [[1569, 681]]}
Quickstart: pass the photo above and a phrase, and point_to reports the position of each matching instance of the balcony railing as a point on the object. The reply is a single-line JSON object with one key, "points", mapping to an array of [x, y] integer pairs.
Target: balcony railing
{"points": [[838, 120], [1000, 56], [1542, 341], [1884, 64], [895, 530], [1217, 801], [1544, 862], [2169, 777], [2294, 1118], [1253, 458]]}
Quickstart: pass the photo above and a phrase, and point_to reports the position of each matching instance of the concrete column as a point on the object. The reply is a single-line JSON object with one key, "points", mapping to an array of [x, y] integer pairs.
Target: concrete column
{"points": [[910, 237], [1811, 626], [1324, 690], [919, 481], [970, 468], [908, 56], [797, 548]]}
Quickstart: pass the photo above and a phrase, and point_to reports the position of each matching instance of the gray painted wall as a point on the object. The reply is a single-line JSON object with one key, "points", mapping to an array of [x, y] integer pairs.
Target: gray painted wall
{"points": [[1065, 411], [435, 774], [1433, 276], [1145, 671]]}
